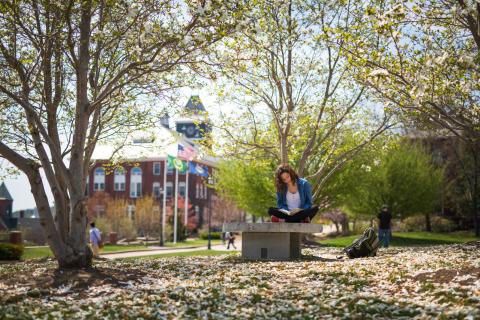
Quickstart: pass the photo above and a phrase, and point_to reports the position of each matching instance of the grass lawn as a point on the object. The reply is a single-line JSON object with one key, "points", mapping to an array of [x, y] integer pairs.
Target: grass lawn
{"points": [[43, 252], [36, 253], [183, 254], [407, 239], [188, 243]]}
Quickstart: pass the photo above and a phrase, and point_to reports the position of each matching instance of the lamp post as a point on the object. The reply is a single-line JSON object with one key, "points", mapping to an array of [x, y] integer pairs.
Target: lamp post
{"points": [[209, 190], [161, 240]]}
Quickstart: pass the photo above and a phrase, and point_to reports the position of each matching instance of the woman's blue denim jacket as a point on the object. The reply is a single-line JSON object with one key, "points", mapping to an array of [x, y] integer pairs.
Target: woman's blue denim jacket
{"points": [[305, 191]]}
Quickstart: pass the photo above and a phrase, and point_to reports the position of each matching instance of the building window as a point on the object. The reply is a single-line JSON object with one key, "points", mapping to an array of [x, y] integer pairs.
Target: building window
{"points": [[197, 191], [135, 182], [169, 170], [100, 210], [119, 179], [182, 187], [156, 189], [99, 179], [197, 213], [156, 168], [131, 212], [169, 189]]}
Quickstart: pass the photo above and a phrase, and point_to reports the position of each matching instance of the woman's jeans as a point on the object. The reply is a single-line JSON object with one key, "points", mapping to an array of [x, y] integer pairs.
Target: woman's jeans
{"points": [[384, 236], [298, 217]]}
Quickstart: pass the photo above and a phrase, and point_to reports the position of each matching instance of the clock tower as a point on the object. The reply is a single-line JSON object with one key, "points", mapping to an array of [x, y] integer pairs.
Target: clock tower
{"points": [[196, 125]]}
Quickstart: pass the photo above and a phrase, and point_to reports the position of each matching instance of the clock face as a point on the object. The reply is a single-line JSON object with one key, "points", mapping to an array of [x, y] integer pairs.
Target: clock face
{"points": [[190, 131]]}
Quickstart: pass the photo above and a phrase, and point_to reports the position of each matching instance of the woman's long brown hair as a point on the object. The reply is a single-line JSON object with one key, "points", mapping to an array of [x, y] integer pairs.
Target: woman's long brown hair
{"points": [[279, 184]]}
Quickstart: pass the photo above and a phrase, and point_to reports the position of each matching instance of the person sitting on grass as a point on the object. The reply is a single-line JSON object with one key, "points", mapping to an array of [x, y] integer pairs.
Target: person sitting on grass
{"points": [[294, 197]]}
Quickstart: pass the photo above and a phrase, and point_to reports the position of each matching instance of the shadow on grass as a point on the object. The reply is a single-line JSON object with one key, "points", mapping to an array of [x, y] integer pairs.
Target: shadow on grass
{"points": [[51, 281], [237, 259], [413, 239]]}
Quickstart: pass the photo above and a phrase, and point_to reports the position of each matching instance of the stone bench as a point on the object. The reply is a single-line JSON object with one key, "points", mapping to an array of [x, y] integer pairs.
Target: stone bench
{"points": [[271, 241]]}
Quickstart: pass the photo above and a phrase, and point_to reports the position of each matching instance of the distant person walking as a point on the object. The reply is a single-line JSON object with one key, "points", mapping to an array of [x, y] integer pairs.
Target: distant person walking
{"points": [[95, 240], [385, 226], [230, 236]]}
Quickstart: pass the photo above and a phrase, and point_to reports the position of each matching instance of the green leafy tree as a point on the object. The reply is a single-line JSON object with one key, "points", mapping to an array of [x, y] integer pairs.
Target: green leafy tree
{"points": [[401, 176], [249, 184]]}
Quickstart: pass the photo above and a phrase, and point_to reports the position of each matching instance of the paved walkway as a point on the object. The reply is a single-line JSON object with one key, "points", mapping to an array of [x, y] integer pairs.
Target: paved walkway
{"points": [[164, 250]]}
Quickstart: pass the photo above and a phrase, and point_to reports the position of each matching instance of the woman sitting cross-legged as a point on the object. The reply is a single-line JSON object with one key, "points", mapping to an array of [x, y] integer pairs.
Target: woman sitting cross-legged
{"points": [[294, 197]]}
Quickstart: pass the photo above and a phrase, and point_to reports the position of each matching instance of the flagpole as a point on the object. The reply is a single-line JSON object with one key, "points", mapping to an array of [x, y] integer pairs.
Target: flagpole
{"points": [[164, 208], [176, 208], [186, 198]]}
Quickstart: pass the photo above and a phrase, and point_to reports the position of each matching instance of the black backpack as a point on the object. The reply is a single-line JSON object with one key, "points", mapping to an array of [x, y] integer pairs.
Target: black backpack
{"points": [[366, 246]]}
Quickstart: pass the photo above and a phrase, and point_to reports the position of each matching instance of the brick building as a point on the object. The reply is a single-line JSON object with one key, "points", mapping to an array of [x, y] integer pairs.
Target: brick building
{"points": [[6, 201], [140, 168]]}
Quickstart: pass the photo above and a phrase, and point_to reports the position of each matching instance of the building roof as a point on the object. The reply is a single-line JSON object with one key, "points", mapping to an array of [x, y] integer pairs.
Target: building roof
{"points": [[195, 105], [154, 144], [4, 194]]}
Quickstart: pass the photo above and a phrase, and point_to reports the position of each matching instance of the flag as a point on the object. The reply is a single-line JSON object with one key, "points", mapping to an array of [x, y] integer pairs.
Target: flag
{"points": [[186, 152], [196, 168], [176, 163]]}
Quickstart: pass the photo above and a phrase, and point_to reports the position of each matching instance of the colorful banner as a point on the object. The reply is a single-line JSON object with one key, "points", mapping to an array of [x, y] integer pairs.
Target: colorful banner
{"points": [[178, 164], [186, 152], [196, 168]]}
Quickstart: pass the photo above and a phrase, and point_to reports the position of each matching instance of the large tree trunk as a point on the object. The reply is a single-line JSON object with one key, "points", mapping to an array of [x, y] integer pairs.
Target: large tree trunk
{"points": [[78, 253], [337, 227], [74, 252], [428, 223], [475, 210], [474, 145], [345, 226], [46, 220], [283, 148]]}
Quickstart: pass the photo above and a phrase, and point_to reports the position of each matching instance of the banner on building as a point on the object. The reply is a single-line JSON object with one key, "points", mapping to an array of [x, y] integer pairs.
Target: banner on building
{"points": [[186, 152], [196, 168], [176, 163]]}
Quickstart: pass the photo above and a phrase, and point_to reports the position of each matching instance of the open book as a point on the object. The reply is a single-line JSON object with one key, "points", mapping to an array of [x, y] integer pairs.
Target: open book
{"points": [[291, 212]]}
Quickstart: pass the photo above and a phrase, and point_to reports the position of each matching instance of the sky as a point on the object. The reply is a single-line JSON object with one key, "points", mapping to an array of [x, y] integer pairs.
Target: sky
{"points": [[19, 187]]}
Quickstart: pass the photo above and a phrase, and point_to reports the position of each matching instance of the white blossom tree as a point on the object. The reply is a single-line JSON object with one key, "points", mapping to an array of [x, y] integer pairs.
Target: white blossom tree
{"points": [[290, 80], [424, 64], [70, 71]]}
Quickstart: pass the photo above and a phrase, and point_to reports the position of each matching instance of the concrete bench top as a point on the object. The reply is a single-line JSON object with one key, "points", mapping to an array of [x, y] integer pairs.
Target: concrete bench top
{"points": [[272, 227]]}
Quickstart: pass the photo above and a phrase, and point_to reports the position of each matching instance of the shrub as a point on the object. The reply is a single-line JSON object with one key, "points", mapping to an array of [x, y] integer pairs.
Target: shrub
{"points": [[10, 251], [417, 223], [359, 226], [414, 223], [181, 230], [213, 235], [123, 226], [440, 224]]}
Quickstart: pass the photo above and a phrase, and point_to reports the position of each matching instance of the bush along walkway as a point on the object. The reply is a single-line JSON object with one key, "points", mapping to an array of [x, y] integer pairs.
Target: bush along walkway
{"points": [[439, 282]]}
